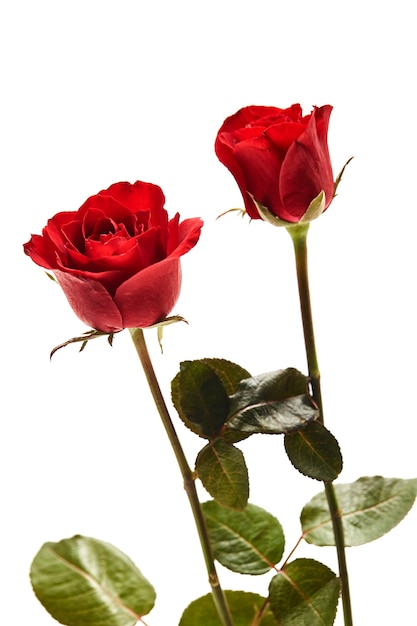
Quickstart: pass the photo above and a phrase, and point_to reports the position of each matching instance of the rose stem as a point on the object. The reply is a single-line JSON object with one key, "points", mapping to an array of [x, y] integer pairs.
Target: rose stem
{"points": [[299, 238], [189, 482]]}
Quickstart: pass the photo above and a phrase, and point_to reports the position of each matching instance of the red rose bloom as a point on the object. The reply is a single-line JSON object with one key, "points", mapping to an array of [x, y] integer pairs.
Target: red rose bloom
{"points": [[279, 158], [118, 257]]}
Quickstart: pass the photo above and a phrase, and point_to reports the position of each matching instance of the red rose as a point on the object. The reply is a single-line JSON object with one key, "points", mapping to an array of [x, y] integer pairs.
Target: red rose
{"points": [[118, 257], [279, 158]]}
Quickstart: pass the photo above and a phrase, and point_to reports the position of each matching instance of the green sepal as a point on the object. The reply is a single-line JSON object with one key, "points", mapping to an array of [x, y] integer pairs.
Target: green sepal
{"points": [[222, 470], [314, 210], [51, 277], [166, 322], [273, 403], [84, 339], [241, 212], [304, 592], [340, 175], [369, 507], [267, 216], [246, 608], [314, 452], [86, 582], [247, 542]]}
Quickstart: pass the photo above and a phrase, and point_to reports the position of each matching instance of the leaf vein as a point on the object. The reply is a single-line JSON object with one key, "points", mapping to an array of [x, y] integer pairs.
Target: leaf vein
{"points": [[116, 599]]}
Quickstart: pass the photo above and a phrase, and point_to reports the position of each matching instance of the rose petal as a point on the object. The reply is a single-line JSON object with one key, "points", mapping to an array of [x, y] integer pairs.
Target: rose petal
{"points": [[263, 116], [40, 252], [188, 234], [282, 136], [149, 296], [137, 197], [261, 168], [106, 205], [227, 156], [91, 302], [307, 170]]}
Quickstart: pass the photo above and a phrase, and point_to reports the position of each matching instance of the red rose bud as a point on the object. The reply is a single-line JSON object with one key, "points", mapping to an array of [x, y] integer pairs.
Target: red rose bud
{"points": [[280, 161], [118, 257]]}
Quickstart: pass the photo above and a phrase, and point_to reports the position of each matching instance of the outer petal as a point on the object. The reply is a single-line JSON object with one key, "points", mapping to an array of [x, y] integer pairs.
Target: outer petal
{"points": [[91, 302], [260, 166], [44, 249], [149, 296], [225, 153], [188, 234], [307, 170], [40, 253]]}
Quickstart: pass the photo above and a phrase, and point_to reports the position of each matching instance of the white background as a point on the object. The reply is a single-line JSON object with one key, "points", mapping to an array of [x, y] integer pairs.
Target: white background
{"points": [[98, 92]]}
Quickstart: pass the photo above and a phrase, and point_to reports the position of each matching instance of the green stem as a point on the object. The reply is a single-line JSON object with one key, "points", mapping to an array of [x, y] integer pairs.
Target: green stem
{"points": [[299, 237], [188, 477]]}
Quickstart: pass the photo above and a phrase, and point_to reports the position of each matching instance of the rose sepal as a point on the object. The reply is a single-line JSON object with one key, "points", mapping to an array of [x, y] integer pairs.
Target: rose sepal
{"points": [[267, 216], [84, 339], [340, 175], [166, 322], [94, 334], [316, 207], [241, 212]]}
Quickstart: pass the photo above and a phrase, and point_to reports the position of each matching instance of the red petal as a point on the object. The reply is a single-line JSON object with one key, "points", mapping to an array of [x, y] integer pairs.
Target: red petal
{"points": [[282, 136], [188, 234], [40, 252], [149, 296], [137, 197], [262, 116], [108, 206], [307, 169], [91, 302], [261, 169]]}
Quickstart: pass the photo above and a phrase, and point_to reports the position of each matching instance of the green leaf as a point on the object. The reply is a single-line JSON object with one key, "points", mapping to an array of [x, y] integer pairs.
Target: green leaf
{"points": [[248, 542], [273, 403], [222, 469], [304, 592], [229, 373], [370, 507], [314, 451], [200, 394], [203, 400], [86, 582], [247, 609]]}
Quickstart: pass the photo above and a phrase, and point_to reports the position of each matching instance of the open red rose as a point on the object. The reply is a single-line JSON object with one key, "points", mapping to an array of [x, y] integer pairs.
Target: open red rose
{"points": [[118, 257], [279, 158]]}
